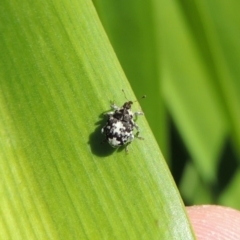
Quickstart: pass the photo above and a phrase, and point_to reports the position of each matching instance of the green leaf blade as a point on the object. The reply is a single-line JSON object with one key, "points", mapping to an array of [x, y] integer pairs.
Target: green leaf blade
{"points": [[59, 181]]}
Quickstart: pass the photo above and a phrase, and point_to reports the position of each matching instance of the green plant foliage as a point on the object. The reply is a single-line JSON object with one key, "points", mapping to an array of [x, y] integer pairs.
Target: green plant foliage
{"points": [[131, 27], [185, 56], [58, 74]]}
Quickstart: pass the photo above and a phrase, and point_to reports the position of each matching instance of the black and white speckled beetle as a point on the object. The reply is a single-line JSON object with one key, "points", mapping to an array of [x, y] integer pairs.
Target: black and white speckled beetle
{"points": [[119, 130]]}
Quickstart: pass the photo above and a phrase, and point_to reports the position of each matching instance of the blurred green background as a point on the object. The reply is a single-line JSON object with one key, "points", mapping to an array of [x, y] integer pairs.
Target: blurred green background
{"points": [[185, 55]]}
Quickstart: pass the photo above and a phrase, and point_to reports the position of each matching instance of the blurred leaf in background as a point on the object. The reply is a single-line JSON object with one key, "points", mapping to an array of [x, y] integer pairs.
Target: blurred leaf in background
{"points": [[185, 57]]}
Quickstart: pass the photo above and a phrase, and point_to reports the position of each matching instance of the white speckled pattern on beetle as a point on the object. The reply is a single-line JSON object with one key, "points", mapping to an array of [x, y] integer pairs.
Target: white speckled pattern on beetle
{"points": [[120, 125]]}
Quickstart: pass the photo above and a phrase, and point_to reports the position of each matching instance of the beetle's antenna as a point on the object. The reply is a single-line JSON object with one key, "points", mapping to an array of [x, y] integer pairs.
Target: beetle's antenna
{"points": [[124, 94], [144, 96]]}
